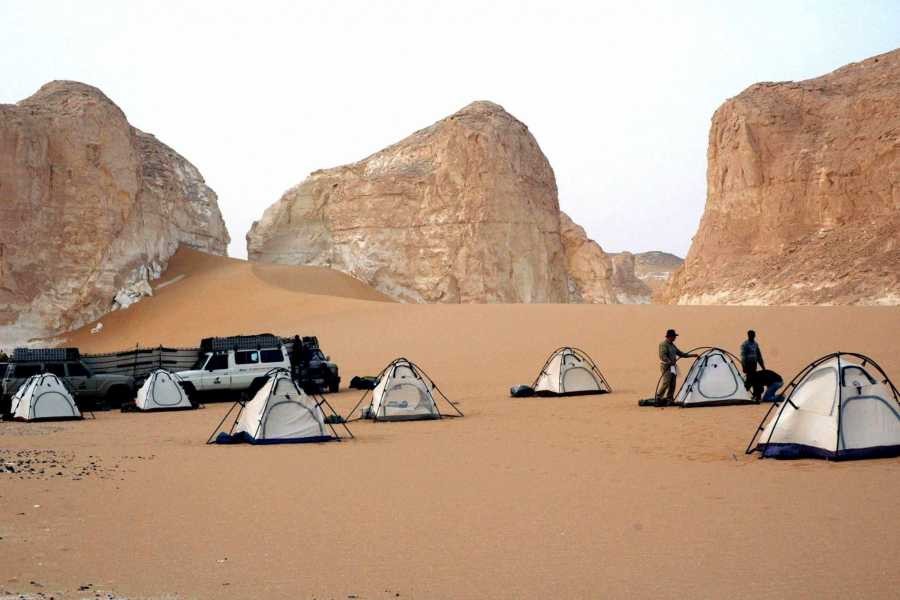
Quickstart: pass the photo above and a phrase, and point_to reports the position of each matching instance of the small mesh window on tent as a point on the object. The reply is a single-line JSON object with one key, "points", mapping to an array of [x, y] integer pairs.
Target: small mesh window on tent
{"points": [[569, 372], [44, 397], [404, 392], [162, 391], [280, 413], [713, 380], [841, 406]]}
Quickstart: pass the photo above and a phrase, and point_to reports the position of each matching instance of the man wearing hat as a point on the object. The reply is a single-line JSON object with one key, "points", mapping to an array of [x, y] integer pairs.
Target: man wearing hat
{"points": [[668, 355]]}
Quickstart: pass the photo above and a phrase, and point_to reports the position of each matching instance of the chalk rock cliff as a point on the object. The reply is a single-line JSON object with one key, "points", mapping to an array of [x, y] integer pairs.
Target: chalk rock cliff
{"points": [[803, 201], [91, 209], [465, 210]]}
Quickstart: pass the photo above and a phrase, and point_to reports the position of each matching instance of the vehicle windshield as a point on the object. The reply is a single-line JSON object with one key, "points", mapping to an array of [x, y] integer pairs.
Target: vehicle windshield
{"points": [[316, 355], [201, 362]]}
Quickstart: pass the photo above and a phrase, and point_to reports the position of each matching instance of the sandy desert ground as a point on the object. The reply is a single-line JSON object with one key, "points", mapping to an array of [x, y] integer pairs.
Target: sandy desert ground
{"points": [[585, 497]]}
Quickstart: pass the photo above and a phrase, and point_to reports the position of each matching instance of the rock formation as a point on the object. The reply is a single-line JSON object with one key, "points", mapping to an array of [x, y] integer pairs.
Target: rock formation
{"points": [[803, 203], [595, 276], [465, 210], [90, 210]]}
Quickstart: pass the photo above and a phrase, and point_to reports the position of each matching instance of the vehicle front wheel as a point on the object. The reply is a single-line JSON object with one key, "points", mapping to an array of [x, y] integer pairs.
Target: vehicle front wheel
{"points": [[117, 396]]}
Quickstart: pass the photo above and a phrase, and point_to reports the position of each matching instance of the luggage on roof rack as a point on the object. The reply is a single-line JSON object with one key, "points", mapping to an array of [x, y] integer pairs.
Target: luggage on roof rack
{"points": [[45, 354], [240, 342]]}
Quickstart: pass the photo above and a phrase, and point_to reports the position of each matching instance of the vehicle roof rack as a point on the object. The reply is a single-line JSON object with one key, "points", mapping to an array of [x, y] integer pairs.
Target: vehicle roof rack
{"points": [[45, 354], [240, 342]]}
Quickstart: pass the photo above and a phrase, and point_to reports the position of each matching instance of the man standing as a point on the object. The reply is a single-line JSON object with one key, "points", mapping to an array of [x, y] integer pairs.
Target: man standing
{"points": [[668, 356], [751, 358]]}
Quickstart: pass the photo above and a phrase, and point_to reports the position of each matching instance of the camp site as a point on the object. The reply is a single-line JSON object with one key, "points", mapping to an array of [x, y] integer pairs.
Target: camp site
{"points": [[397, 300]]}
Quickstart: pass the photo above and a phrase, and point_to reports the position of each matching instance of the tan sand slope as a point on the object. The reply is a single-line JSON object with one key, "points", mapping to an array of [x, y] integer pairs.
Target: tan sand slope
{"points": [[581, 497]]}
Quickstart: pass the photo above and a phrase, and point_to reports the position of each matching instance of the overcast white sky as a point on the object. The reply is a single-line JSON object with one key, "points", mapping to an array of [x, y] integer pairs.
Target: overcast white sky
{"points": [[619, 95]]}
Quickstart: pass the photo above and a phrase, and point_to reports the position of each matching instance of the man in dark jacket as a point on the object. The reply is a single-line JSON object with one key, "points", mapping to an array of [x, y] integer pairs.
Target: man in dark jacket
{"points": [[668, 356], [770, 380], [751, 357]]}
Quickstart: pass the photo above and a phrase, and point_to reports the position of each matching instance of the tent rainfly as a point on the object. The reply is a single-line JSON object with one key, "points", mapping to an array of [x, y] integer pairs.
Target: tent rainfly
{"points": [[43, 397], [569, 372], [842, 406], [404, 392], [162, 391], [279, 413], [713, 380]]}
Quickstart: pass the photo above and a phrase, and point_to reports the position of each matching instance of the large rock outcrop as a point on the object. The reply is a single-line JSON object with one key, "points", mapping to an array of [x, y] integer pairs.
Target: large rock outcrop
{"points": [[463, 211], [91, 209], [803, 203]]}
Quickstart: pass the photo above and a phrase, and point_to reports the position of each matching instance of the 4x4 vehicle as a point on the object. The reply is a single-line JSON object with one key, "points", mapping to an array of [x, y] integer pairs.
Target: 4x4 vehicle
{"points": [[312, 368], [228, 366], [90, 389], [233, 370]]}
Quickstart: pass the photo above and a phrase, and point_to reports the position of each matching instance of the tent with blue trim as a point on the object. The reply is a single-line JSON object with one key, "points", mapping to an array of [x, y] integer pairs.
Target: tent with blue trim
{"points": [[279, 413], [842, 406], [44, 397], [713, 380]]}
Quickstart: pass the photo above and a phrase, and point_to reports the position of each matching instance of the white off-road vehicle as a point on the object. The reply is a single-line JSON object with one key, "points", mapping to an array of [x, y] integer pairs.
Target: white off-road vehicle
{"points": [[229, 365]]}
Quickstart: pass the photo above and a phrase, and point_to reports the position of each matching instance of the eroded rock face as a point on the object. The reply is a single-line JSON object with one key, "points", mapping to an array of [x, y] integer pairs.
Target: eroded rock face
{"points": [[463, 211], [89, 206], [803, 203], [595, 276]]}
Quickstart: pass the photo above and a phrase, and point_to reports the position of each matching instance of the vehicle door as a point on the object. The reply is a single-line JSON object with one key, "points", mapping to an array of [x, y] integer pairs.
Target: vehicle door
{"points": [[246, 368], [216, 375], [80, 379]]}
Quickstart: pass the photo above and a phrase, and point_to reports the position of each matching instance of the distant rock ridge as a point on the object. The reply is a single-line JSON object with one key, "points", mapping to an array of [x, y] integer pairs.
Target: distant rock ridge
{"points": [[465, 210], [655, 268], [803, 200], [91, 209]]}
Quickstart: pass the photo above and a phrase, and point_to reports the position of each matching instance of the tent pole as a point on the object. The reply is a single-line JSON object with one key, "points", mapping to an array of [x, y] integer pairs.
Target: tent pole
{"points": [[840, 406], [219, 426]]}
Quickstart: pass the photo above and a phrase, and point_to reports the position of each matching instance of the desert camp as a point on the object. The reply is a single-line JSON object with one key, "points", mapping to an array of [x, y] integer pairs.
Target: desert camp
{"points": [[474, 300]]}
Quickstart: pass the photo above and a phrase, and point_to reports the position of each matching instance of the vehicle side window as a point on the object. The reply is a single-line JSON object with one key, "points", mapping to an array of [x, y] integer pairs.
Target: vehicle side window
{"points": [[3, 369], [77, 370], [270, 356], [24, 371], [55, 368], [217, 362], [246, 357]]}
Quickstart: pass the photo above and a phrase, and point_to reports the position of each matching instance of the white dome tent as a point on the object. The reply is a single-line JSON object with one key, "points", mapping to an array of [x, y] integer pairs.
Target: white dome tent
{"points": [[569, 372], [162, 391], [842, 406], [43, 397], [713, 380], [404, 392], [279, 413]]}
